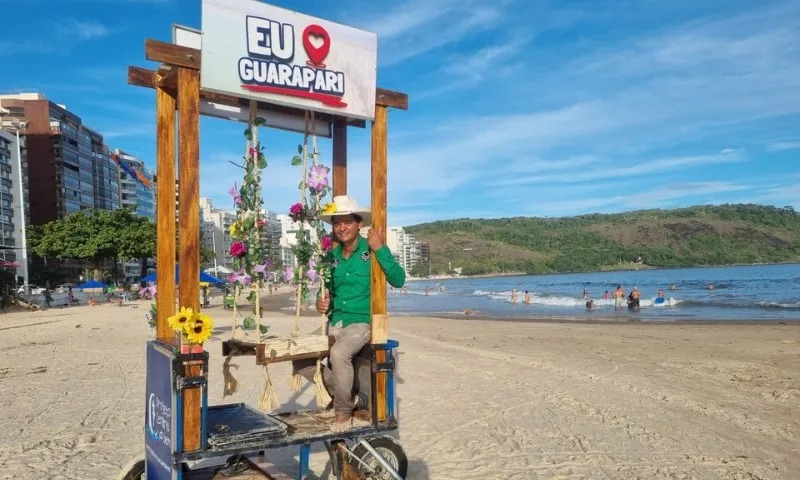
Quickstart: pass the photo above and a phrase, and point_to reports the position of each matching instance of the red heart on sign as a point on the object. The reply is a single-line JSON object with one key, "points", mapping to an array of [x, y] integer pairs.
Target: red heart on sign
{"points": [[316, 54]]}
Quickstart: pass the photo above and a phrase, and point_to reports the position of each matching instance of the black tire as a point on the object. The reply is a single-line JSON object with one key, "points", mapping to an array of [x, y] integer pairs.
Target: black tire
{"points": [[134, 470], [389, 449]]}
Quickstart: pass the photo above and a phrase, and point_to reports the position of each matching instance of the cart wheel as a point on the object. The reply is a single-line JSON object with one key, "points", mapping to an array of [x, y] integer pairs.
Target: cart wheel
{"points": [[133, 470], [389, 449]]}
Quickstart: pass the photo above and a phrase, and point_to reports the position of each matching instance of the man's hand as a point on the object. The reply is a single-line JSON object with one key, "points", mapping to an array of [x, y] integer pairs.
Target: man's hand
{"points": [[375, 239], [324, 302]]}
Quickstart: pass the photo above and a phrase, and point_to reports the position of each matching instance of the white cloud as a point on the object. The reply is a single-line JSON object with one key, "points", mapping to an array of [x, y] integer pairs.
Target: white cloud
{"points": [[60, 37], [781, 146]]}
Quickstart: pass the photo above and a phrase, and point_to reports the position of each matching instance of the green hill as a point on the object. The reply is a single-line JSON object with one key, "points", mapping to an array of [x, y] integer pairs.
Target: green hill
{"points": [[686, 237]]}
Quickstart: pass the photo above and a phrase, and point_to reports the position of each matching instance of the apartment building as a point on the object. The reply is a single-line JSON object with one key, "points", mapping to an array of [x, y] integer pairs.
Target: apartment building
{"points": [[288, 238], [137, 193], [9, 197], [63, 157], [404, 247]]}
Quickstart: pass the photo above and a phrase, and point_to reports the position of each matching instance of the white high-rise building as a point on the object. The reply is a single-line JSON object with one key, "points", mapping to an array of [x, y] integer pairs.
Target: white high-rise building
{"points": [[288, 240], [216, 231], [404, 247]]}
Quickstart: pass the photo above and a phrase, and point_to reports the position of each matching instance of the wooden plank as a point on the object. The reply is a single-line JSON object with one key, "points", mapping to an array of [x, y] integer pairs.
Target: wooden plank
{"points": [[143, 77], [165, 220], [380, 324], [189, 231], [339, 158], [389, 98], [172, 54], [167, 78]]}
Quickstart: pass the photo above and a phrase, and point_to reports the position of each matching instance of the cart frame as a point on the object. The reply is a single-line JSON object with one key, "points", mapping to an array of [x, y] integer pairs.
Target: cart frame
{"points": [[177, 85]]}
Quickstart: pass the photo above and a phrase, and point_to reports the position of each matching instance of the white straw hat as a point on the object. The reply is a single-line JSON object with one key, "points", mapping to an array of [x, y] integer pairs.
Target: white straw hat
{"points": [[345, 205]]}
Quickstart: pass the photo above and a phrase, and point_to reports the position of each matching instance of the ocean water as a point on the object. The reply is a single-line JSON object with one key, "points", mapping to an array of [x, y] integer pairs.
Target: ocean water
{"points": [[746, 293]]}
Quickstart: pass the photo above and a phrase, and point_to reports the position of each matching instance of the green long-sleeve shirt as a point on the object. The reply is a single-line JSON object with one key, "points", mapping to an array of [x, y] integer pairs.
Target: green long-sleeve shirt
{"points": [[350, 289]]}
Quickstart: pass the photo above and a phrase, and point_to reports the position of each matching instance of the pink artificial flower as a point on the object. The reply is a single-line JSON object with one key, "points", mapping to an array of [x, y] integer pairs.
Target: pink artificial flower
{"points": [[287, 276], [252, 152], [326, 243], [234, 192], [238, 249], [260, 222], [296, 209], [318, 178]]}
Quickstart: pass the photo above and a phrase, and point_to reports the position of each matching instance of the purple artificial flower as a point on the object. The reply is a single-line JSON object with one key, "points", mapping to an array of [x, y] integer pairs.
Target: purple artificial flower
{"points": [[287, 276], [241, 277], [312, 271], [149, 290], [234, 192], [252, 152], [262, 269], [318, 178]]}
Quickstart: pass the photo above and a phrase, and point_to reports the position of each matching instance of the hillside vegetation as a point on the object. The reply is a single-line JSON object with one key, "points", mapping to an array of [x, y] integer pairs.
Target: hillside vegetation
{"points": [[686, 237]]}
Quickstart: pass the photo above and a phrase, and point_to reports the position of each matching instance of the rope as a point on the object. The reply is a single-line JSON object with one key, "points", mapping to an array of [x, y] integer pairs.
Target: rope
{"points": [[323, 397], [231, 385]]}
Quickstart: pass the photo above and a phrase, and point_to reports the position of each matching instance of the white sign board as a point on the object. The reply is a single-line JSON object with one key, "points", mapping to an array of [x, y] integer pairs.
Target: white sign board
{"points": [[259, 51]]}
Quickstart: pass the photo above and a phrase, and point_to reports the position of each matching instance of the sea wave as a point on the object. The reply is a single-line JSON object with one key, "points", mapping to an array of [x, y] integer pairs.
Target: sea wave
{"points": [[569, 301], [564, 301]]}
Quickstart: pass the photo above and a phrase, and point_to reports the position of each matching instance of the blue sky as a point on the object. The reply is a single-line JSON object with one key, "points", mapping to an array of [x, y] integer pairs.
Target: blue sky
{"points": [[517, 107]]}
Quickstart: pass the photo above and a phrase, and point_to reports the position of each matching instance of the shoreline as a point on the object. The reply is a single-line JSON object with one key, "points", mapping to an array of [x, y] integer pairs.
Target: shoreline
{"points": [[598, 320], [644, 267]]}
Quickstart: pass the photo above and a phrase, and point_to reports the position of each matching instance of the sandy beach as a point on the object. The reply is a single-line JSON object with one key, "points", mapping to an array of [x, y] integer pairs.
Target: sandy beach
{"points": [[478, 399]]}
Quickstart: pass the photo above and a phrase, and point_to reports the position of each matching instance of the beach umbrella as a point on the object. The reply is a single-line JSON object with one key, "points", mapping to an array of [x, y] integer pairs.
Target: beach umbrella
{"points": [[92, 284], [204, 277]]}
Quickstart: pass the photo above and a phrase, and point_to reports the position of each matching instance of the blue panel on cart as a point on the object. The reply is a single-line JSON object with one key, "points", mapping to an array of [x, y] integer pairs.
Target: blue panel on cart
{"points": [[159, 421]]}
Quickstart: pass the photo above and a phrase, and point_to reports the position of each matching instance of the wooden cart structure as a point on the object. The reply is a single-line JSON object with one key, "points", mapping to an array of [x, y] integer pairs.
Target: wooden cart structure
{"points": [[178, 440]]}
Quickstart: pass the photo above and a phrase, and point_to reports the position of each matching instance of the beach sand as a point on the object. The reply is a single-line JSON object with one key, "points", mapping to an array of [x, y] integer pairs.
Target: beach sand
{"points": [[478, 399]]}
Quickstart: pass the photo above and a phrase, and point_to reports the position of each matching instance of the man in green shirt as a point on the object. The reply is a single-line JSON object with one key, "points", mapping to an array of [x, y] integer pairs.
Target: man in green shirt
{"points": [[347, 304]]}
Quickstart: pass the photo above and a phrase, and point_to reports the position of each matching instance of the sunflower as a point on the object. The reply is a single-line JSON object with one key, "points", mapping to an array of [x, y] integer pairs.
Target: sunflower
{"points": [[179, 321], [199, 329]]}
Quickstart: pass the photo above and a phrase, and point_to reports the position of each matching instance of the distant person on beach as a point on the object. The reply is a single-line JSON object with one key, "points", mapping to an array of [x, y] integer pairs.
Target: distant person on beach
{"points": [[710, 286], [527, 298], [585, 294], [427, 290], [672, 287], [513, 295], [441, 289], [405, 290], [606, 295], [619, 297], [660, 299], [589, 305], [347, 303], [635, 299]]}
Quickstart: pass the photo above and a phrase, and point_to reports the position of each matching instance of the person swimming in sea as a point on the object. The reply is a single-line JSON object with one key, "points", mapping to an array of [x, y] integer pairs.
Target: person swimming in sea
{"points": [[672, 287], [660, 299], [711, 285], [527, 298]]}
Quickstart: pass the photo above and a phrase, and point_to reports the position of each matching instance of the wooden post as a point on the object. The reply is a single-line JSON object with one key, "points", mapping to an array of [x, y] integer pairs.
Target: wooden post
{"points": [[340, 157], [380, 321], [189, 231], [165, 228]]}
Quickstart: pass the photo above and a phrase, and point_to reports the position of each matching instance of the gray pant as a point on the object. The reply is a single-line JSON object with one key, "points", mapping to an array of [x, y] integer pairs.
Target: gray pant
{"points": [[339, 381]]}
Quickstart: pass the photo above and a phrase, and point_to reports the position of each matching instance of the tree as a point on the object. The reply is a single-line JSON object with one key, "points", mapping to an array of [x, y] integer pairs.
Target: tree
{"points": [[419, 270], [93, 236]]}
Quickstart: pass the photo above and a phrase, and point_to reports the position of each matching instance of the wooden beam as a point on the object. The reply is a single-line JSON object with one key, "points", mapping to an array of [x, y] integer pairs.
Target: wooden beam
{"points": [[380, 323], [189, 232], [172, 54], [143, 77], [165, 228], [389, 98], [167, 78], [339, 158]]}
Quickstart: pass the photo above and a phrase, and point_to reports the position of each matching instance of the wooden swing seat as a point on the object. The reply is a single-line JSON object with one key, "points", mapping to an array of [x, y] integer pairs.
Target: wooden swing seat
{"points": [[280, 349]]}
